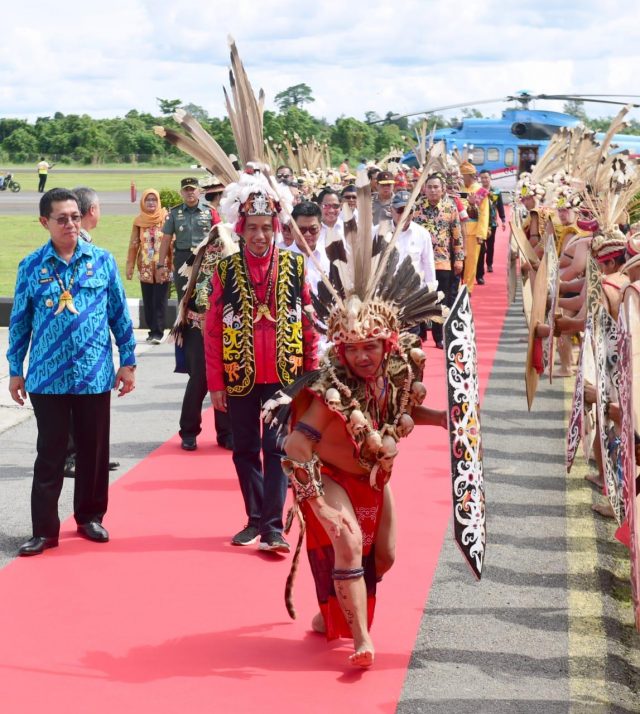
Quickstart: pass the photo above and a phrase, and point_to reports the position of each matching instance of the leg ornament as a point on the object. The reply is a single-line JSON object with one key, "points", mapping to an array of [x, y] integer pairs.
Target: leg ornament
{"points": [[347, 574], [303, 490]]}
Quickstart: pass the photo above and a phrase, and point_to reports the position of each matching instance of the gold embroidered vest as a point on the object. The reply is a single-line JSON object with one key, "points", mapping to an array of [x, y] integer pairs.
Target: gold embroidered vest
{"points": [[238, 349]]}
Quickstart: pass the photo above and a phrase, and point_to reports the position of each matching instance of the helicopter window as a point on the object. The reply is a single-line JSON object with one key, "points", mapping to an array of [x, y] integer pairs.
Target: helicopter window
{"points": [[493, 154], [509, 156], [477, 156]]}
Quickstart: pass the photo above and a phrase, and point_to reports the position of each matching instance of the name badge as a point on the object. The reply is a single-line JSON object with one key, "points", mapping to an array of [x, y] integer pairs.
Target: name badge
{"points": [[45, 280]]}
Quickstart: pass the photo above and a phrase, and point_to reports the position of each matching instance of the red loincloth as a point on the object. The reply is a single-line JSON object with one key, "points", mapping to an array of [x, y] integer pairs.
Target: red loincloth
{"points": [[367, 504]]}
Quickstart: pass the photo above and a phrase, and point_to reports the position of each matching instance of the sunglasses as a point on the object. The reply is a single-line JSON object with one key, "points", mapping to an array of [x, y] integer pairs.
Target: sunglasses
{"points": [[63, 220], [311, 230]]}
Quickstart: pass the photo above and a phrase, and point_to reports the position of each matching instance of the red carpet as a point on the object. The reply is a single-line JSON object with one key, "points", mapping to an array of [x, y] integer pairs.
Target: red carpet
{"points": [[170, 618]]}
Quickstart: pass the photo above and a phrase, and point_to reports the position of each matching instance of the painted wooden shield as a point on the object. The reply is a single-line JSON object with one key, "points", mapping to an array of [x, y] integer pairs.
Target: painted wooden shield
{"points": [[523, 244], [589, 377], [602, 326], [553, 279], [467, 477], [512, 270], [594, 285], [629, 395], [538, 308], [576, 430]]}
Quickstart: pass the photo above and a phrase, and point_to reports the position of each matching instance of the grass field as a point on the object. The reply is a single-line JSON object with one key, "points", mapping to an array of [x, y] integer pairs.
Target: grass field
{"points": [[20, 235], [110, 181]]}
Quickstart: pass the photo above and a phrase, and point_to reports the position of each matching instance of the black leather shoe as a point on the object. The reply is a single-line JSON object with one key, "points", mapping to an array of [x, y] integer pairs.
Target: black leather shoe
{"points": [[480, 281], [490, 268], [226, 442], [37, 544], [189, 443], [113, 465], [93, 531]]}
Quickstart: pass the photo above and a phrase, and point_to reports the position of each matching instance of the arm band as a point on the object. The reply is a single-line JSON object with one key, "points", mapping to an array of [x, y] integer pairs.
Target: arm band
{"points": [[313, 487], [308, 431]]}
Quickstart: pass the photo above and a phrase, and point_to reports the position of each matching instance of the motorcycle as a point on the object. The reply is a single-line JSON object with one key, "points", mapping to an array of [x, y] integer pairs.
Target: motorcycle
{"points": [[8, 182]]}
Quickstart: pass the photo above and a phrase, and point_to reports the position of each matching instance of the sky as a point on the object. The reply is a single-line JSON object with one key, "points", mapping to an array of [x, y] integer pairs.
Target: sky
{"points": [[105, 58]]}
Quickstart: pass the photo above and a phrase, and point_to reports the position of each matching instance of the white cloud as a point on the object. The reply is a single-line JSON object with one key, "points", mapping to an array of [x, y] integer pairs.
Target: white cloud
{"points": [[106, 58]]}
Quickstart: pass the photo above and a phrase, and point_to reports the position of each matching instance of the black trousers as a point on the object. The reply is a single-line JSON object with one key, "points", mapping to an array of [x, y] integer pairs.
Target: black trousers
{"points": [[486, 253], [90, 416], [491, 244], [446, 283], [196, 391], [262, 480], [154, 301], [42, 180]]}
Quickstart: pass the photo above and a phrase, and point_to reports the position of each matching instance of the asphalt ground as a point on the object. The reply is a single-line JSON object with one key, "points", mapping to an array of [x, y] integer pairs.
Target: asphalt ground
{"points": [[549, 627], [25, 203]]}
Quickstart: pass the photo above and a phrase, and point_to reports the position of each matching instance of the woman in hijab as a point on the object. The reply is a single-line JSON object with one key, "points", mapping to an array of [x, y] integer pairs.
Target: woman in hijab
{"points": [[144, 248]]}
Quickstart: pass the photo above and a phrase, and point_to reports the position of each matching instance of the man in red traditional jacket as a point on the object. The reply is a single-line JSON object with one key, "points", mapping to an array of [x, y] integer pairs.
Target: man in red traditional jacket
{"points": [[259, 337]]}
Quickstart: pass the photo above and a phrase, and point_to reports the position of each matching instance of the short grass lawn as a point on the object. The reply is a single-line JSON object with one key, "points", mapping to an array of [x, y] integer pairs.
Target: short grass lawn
{"points": [[20, 235]]}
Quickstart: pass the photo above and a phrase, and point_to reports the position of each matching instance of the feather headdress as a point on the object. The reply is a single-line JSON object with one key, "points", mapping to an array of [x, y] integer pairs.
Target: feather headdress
{"points": [[245, 115], [611, 182]]}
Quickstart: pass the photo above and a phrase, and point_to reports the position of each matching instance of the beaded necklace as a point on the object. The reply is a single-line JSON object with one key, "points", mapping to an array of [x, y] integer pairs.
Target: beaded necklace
{"points": [[262, 308], [66, 298]]}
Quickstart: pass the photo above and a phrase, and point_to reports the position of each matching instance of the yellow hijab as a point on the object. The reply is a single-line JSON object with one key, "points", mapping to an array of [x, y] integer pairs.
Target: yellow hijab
{"points": [[144, 219]]}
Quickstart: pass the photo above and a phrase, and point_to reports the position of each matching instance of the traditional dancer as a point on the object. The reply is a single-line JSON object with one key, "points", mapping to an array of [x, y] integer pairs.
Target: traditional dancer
{"points": [[345, 424]]}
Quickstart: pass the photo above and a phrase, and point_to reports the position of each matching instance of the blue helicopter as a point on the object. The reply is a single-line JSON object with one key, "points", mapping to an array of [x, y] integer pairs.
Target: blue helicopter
{"points": [[510, 145]]}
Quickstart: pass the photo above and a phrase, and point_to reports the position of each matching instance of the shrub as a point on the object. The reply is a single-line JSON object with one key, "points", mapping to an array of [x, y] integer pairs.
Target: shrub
{"points": [[169, 197]]}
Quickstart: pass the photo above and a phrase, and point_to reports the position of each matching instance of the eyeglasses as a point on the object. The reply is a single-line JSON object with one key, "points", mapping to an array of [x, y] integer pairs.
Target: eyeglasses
{"points": [[331, 206], [399, 209], [282, 177], [311, 230], [63, 220]]}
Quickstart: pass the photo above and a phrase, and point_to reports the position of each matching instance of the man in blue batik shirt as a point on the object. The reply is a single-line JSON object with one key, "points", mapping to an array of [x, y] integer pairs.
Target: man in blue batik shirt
{"points": [[67, 301]]}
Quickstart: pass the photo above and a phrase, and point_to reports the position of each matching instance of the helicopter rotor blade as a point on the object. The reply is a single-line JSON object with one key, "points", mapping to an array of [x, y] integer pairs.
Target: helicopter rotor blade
{"points": [[395, 117], [522, 97], [583, 98]]}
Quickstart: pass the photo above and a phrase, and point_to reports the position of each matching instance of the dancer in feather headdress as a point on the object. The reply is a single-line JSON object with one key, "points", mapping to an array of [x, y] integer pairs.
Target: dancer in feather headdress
{"points": [[351, 412], [347, 418]]}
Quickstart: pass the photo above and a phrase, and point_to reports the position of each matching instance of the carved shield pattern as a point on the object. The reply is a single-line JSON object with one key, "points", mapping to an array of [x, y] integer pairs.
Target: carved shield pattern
{"points": [[627, 448], [464, 433], [602, 326]]}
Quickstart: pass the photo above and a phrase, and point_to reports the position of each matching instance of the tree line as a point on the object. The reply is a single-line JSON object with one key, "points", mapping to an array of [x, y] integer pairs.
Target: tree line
{"points": [[74, 138]]}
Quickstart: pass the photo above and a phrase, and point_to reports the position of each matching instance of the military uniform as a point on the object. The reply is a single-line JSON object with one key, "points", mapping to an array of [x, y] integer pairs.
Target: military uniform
{"points": [[190, 226]]}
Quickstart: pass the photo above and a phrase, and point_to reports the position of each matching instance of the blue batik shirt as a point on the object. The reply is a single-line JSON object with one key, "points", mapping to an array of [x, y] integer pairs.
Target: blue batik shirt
{"points": [[69, 353]]}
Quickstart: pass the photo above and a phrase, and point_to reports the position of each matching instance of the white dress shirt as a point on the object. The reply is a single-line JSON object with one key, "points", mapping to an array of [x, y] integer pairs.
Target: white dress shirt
{"points": [[312, 272], [416, 243]]}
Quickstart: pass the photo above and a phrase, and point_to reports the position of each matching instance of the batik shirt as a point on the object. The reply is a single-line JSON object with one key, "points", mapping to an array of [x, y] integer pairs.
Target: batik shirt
{"points": [[443, 222], [69, 353]]}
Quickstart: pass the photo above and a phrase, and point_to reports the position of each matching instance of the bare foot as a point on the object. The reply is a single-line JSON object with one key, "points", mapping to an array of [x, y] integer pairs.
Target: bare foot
{"points": [[317, 624], [595, 479], [364, 654], [362, 658], [604, 509]]}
